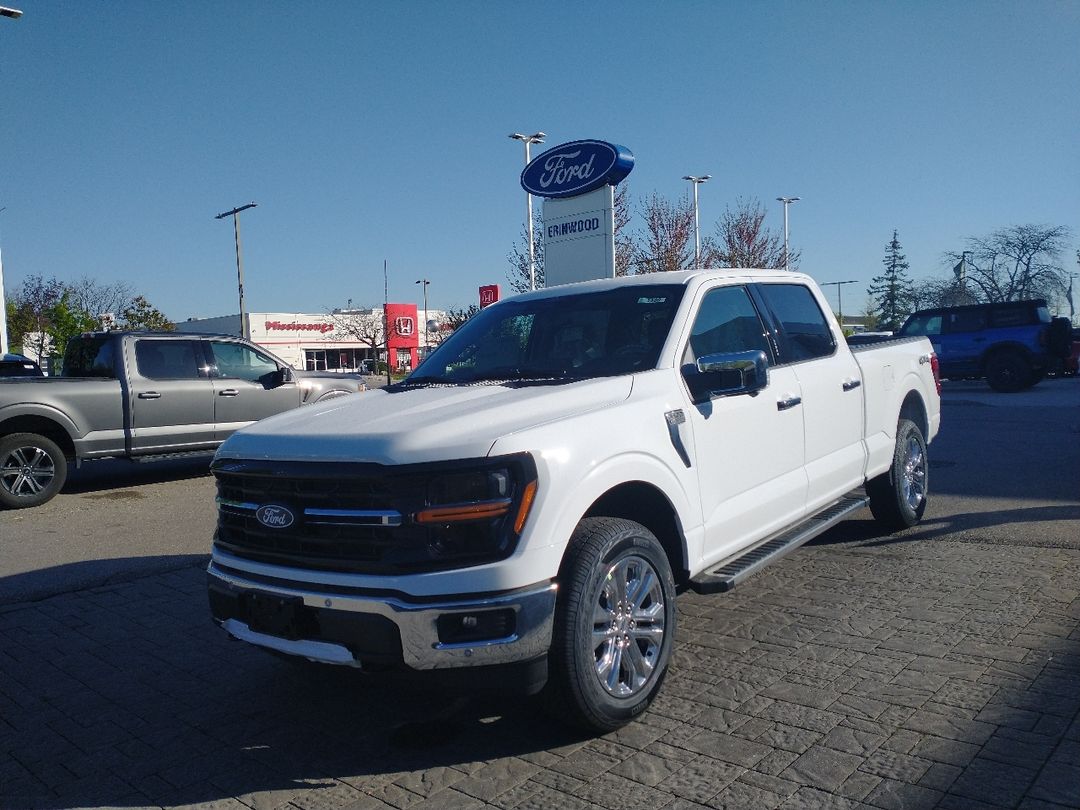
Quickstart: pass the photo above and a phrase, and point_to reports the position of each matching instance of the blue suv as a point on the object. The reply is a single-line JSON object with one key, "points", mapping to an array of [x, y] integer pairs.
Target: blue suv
{"points": [[1012, 344]]}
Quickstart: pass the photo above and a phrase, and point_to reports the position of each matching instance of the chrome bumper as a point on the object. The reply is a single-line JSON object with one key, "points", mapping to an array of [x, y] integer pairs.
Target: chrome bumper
{"points": [[421, 649]]}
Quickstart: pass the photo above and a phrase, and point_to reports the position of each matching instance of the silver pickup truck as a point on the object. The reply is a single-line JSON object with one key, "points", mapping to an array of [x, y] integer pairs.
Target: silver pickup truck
{"points": [[142, 395]]}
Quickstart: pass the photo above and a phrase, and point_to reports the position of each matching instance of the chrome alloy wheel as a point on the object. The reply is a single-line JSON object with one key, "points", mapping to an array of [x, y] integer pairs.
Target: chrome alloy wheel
{"points": [[913, 485], [26, 470], [628, 627]]}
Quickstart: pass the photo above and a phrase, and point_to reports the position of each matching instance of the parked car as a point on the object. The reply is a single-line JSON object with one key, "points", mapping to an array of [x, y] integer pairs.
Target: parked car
{"points": [[1012, 345], [524, 506], [17, 365], [142, 396]]}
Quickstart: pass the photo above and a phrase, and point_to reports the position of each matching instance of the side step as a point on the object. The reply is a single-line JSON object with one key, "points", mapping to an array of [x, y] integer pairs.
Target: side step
{"points": [[727, 575], [187, 454]]}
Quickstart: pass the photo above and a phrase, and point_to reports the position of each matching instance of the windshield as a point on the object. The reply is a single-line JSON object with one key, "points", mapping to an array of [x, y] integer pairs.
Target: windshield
{"points": [[569, 337]]}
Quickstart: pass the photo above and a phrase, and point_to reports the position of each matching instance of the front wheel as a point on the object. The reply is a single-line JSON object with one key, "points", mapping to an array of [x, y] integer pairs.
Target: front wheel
{"points": [[614, 625], [898, 497], [32, 470]]}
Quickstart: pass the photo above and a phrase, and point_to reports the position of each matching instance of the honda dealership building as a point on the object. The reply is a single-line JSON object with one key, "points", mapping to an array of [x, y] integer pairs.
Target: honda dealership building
{"points": [[345, 340]]}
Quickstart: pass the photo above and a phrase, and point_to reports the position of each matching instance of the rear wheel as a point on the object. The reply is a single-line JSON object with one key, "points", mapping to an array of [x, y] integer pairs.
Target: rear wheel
{"points": [[898, 497], [1008, 371], [32, 470], [614, 625]]}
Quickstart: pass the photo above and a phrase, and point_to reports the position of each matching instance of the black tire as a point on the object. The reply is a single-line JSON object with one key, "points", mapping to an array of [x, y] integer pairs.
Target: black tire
{"points": [[1009, 371], [614, 625], [898, 497], [32, 470]]}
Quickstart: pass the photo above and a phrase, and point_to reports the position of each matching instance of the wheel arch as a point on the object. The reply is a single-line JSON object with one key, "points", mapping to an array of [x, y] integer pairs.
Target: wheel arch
{"points": [[42, 426], [914, 409], [646, 504]]}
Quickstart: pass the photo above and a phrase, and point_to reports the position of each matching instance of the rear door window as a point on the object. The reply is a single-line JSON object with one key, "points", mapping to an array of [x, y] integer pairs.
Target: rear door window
{"points": [[168, 359], [805, 332], [968, 320]]}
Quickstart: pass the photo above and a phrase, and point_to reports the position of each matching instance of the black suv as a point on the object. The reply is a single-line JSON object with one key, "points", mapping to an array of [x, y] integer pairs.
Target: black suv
{"points": [[1012, 345]]}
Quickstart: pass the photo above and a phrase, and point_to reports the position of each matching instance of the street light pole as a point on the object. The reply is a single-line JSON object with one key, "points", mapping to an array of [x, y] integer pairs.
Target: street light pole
{"points": [[787, 201], [244, 332], [14, 14], [528, 140], [3, 302], [839, 300], [425, 282], [695, 182]]}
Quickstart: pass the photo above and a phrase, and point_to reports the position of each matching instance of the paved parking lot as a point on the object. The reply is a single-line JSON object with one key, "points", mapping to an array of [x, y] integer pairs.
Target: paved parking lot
{"points": [[936, 668]]}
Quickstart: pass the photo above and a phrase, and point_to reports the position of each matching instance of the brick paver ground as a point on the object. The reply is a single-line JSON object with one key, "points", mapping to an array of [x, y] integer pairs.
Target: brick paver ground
{"points": [[885, 674]]}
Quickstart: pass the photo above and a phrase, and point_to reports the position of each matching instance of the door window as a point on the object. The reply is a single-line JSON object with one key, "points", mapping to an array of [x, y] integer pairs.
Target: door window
{"points": [[805, 332], [237, 361], [726, 322], [167, 359]]}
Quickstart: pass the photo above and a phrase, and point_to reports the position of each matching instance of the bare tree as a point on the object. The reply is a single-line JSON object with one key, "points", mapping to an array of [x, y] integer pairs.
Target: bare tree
{"points": [[930, 293], [668, 239], [518, 274], [742, 240], [624, 240], [1014, 263], [362, 325], [97, 297]]}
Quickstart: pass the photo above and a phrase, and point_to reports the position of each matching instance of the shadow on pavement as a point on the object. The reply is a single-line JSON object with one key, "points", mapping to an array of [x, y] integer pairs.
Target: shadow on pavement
{"points": [[107, 474], [127, 696]]}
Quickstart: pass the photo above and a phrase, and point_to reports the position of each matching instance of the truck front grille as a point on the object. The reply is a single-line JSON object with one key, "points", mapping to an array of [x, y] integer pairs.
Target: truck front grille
{"points": [[347, 517]]}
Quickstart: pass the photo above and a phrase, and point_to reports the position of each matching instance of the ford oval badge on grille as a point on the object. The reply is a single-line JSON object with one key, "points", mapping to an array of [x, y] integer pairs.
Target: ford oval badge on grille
{"points": [[274, 516]]}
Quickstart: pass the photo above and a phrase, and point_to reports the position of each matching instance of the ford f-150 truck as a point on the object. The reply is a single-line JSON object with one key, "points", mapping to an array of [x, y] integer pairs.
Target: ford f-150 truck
{"points": [[534, 495], [141, 395]]}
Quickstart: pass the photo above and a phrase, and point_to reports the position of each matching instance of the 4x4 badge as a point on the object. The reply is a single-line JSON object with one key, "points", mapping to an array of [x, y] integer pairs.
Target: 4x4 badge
{"points": [[275, 516]]}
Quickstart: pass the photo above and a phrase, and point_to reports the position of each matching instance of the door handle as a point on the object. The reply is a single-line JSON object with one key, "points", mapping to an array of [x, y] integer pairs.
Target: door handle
{"points": [[851, 385], [149, 395], [229, 392], [790, 402]]}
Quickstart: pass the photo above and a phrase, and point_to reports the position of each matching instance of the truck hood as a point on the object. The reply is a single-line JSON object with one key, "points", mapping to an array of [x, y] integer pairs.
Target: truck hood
{"points": [[423, 424]]}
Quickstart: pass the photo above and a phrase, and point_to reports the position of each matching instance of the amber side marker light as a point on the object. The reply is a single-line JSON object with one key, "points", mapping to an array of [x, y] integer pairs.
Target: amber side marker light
{"points": [[527, 498]]}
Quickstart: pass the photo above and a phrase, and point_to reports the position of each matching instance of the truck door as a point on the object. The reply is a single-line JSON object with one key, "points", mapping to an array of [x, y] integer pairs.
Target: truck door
{"points": [[247, 386], [172, 398], [748, 449], [832, 393]]}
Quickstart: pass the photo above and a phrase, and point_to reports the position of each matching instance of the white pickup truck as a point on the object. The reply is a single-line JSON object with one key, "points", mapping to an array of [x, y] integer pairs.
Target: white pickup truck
{"points": [[530, 500]]}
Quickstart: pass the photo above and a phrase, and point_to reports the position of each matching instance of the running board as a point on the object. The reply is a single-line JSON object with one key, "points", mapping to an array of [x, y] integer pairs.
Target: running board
{"points": [[728, 574]]}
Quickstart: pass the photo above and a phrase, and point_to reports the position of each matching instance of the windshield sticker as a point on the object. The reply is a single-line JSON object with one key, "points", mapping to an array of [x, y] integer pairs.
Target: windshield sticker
{"points": [[652, 300]]}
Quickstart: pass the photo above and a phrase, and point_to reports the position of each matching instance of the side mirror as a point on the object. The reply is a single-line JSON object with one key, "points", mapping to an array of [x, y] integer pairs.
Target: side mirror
{"points": [[282, 376], [730, 374]]}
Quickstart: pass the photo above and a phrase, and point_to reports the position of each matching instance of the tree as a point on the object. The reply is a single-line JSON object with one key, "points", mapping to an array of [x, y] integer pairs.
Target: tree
{"points": [[518, 275], [742, 240], [930, 293], [892, 291], [99, 298], [456, 318], [1014, 263], [364, 325], [667, 243], [139, 314], [31, 315]]}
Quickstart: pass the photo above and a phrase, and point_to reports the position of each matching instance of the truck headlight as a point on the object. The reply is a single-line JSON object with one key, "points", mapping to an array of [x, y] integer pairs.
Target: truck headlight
{"points": [[479, 507]]}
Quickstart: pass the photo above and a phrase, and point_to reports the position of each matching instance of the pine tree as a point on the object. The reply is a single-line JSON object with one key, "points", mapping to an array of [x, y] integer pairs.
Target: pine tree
{"points": [[892, 292]]}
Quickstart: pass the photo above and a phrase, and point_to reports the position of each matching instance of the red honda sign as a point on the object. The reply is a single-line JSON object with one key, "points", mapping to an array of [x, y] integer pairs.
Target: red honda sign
{"points": [[489, 294]]}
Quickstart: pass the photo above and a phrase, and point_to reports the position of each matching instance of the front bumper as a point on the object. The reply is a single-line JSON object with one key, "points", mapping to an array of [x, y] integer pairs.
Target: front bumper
{"points": [[361, 630]]}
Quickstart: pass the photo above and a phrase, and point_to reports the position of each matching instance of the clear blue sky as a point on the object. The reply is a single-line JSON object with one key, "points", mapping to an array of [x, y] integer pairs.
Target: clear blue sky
{"points": [[378, 130]]}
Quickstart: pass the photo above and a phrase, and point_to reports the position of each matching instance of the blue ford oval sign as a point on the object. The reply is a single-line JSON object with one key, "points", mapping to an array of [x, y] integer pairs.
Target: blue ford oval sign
{"points": [[274, 516], [577, 168]]}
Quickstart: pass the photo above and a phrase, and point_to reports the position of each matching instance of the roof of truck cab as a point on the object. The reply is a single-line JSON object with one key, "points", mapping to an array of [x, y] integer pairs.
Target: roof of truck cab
{"points": [[680, 277]]}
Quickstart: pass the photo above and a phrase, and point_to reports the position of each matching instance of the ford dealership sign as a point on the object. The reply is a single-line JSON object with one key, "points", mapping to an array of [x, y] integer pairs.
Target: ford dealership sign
{"points": [[577, 168]]}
